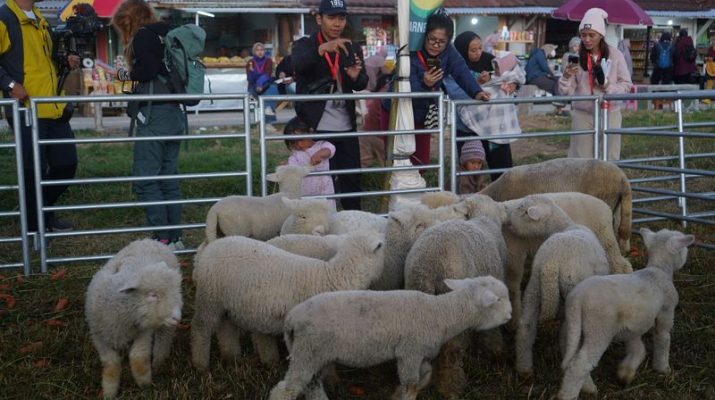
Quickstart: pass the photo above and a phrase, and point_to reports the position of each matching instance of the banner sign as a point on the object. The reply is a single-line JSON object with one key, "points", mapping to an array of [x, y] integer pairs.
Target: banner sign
{"points": [[420, 10]]}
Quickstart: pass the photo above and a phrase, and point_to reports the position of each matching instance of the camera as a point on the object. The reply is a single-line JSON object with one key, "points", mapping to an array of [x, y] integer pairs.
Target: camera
{"points": [[573, 59], [77, 34]]}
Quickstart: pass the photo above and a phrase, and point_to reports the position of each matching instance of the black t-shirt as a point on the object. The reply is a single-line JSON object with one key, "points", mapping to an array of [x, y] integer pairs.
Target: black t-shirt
{"points": [[484, 63]]}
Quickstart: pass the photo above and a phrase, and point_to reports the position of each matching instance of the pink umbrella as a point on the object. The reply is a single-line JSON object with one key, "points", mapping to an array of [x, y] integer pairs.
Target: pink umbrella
{"points": [[619, 11]]}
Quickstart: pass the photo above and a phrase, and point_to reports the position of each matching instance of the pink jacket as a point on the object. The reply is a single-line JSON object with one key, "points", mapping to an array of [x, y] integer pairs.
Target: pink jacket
{"points": [[619, 82]]}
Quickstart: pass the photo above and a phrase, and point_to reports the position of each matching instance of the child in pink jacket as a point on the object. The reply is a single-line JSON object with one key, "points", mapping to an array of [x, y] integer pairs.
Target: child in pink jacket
{"points": [[601, 70]]}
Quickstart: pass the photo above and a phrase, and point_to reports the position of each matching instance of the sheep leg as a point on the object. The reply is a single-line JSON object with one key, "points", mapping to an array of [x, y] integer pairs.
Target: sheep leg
{"points": [[526, 332], [661, 342], [267, 348], [451, 379], [635, 354], [578, 371], [228, 336], [206, 320], [410, 369], [163, 339], [111, 370], [315, 391], [140, 359], [304, 363], [514, 275]]}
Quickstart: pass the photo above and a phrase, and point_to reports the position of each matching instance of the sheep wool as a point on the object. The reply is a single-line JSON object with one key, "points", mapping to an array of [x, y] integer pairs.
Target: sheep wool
{"points": [[365, 328], [320, 247], [260, 218], [134, 302], [571, 254], [623, 307], [251, 285]]}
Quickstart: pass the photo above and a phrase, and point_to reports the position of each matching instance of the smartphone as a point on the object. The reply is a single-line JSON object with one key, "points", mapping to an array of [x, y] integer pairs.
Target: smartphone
{"points": [[350, 57], [573, 59], [433, 63]]}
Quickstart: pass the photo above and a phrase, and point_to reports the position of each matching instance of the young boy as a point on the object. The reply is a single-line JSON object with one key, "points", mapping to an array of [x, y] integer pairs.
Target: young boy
{"points": [[471, 159], [310, 152]]}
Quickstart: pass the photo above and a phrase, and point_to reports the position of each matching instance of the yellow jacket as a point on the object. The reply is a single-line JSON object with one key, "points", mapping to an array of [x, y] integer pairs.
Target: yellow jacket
{"points": [[40, 72]]}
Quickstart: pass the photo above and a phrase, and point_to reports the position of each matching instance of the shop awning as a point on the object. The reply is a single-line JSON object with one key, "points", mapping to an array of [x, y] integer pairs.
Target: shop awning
{"points": [[499, 10], [103, 8]]}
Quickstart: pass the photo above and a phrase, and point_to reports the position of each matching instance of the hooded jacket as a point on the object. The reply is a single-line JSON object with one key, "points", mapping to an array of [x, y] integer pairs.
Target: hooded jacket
{"points": [[30, 63]]}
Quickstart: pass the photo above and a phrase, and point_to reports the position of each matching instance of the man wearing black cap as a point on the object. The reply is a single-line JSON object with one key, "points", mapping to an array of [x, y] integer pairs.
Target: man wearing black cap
{"points": [[326, 63]]}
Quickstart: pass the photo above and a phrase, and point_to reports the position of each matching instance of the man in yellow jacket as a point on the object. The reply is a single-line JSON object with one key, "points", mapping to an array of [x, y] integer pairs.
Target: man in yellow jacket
{"points": [[27, 69]]}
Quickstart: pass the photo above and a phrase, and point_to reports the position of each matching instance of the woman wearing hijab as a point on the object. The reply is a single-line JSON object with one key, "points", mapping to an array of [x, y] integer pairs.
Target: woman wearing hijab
{"points": [[469, 46], [259, 71], [601, 70]]}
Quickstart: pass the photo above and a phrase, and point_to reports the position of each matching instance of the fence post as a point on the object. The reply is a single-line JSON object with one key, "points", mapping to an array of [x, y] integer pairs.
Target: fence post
{"points": [[604, 105], [249, 158], [17, 130], [262, 140], [682, 201], [42, 242], [98, 117], [596, 125], [453, 149], [440, 147]]}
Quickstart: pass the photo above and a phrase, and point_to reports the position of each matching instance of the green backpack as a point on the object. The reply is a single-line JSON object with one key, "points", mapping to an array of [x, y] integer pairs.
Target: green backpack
{"points": [[182, 47]]}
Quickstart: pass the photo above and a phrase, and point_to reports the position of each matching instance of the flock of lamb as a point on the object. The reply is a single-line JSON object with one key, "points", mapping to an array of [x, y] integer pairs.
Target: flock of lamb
{"points": [[359, 289]]}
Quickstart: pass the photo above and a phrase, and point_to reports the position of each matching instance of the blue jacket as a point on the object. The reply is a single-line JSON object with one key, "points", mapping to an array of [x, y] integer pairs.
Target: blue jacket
{"points": [[537, 65], [453, 65]]}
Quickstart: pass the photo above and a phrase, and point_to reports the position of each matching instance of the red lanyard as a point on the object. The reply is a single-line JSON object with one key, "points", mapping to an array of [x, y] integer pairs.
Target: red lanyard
{"points": [[332, 64], [422, 59], [255, 66], [590, 71]]}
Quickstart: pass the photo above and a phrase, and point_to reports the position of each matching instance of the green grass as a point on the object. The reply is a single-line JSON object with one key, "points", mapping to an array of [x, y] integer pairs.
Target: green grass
{"points": [[64, 365]]}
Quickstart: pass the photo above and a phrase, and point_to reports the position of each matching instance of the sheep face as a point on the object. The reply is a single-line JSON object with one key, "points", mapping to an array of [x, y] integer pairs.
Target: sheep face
{"points": [[491, 299], [480, 205], [666, 247], [155, 295], [309, 216], [533, 216]]}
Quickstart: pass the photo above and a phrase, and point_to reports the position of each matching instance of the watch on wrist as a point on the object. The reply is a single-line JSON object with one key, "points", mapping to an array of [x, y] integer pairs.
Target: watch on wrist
{"points": [[11, 85]]}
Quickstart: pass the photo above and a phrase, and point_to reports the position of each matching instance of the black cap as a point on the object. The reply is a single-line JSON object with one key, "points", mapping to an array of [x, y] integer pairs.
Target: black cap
{"points": [[332, 7]]}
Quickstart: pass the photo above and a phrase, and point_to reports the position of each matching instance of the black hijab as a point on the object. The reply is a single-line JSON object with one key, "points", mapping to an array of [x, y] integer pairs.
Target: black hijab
{"points": [[461, 43]]}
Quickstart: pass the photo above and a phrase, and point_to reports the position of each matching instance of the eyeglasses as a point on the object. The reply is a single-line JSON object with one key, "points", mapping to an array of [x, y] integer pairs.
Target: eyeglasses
{"points": [[436, 42]]}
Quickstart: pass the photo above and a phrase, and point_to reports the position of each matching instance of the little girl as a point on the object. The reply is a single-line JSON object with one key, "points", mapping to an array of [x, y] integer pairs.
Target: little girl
{"points": [[310, 152]]}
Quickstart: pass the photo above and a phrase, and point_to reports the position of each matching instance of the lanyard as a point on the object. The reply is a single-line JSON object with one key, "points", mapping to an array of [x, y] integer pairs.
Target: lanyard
{"points": [[332, 64], [590, 70], [422, 59], [262, 66]]}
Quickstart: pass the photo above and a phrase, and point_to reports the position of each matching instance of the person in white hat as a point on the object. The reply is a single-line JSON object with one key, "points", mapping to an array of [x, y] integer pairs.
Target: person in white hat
{"points": [[601, 69]]}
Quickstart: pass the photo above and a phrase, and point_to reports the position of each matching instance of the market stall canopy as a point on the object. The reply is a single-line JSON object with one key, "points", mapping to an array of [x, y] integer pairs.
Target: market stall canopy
{"points": [[625, 12], [103, 8]]}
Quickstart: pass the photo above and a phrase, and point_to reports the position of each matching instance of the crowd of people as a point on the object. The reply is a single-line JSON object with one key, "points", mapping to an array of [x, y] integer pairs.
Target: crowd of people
{"points": [[464, 67]]}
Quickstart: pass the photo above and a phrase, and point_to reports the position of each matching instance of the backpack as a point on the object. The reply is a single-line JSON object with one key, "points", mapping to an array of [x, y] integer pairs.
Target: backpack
{"points": [[664, 59], [689, 54], [182, 47]]}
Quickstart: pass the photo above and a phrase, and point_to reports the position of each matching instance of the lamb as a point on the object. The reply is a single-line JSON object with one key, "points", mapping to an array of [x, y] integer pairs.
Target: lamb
{"points": [[307, 216], [600, 179], [582, 209], [259, 218], [350, 220], [134, 300], [247, 284], [601, 309], [454, 250], [569, 255], [320, 247], [364, 328], [438, 199]]}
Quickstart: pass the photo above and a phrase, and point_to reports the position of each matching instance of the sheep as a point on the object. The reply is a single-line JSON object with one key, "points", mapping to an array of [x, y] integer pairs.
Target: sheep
{"points": [[601, 309], [307, 216], [600, 179], [582, 209], [569, 255], [320, 247], [438, 199], [259, 218], [350, 220], [457, 249], [131, 301], [247, 284], [365, 328]]}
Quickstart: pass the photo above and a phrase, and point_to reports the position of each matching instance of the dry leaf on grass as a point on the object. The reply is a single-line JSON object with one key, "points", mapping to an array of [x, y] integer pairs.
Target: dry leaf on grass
{"points": [[30, 348], [61, 304], [60, 274], [42, 363], [54, 322], [9, 300]]}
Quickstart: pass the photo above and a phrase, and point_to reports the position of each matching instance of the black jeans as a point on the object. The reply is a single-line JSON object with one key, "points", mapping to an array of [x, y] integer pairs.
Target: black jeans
{"points": [[347, 156], [57, 162]]}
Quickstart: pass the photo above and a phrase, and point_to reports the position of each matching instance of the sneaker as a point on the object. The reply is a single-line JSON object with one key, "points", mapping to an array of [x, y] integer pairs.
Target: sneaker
{"points": [[59, 225], [269, 111], [177, 245], [271, 129]]}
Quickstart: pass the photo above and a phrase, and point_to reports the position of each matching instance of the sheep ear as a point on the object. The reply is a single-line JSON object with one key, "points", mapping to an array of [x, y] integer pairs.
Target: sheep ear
{"points": [[487, 298], [288, 202], [536, 212], [455, 284], [647, 236], [377, 247], [129, 287], [675, 244], [274, 177], [461, 208]]}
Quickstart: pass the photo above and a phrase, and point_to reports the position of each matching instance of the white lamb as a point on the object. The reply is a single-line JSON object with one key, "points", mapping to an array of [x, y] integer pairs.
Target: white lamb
{"points": [[251, 285], [307, 216], [601, 179], [351, 220], [259, 218], [320, 247], [134, 302], [623, 307], [458, 249], [571, 254], [365, 328]]}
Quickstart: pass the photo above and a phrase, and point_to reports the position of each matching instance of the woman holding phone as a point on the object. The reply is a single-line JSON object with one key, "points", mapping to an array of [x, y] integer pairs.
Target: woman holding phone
{"points": [[601, 69], [428, 67]]}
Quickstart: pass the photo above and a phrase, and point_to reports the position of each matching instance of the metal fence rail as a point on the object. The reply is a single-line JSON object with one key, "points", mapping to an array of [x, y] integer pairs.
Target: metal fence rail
{"points": [[13, 107], [40, 183]]}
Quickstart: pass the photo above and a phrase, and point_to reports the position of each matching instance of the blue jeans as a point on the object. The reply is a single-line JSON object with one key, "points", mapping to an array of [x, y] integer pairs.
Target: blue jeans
{"points": [[271, 91], [154, 158]]}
